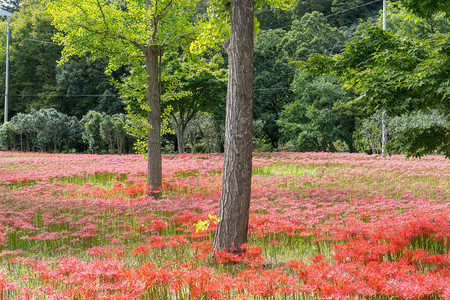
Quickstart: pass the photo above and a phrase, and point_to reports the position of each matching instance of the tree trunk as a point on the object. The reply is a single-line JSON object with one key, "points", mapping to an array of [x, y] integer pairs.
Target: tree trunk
{"points": [[232, 229], [180, 137], [154, 168]]}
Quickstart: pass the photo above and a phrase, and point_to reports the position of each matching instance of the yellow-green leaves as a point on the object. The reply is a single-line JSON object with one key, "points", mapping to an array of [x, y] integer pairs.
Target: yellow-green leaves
{"points": [[212, 31], [281, 4], [217, 29], [120, 32]]}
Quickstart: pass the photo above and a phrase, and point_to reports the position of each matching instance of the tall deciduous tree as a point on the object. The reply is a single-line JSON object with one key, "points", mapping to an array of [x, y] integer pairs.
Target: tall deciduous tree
{"points": [[132, 32], [193, 84], [236, 185]]}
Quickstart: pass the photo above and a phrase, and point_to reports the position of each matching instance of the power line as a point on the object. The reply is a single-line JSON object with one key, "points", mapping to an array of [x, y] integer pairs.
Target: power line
{"points": [[34, 40], [69, 96], [117, 96]]}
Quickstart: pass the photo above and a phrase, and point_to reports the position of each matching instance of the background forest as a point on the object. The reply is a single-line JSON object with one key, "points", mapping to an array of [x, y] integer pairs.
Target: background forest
{"points": [[77, 107]]}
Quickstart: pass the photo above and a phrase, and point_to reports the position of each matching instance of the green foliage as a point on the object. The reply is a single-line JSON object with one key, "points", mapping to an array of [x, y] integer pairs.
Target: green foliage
{"points": [[40, 130], [32, 64], [349, 15], [310, 123], [402, 132], [270, 17], [34, 71], [216, 29], [206, 133], [302, 7], [273, 74], [312, 35], [10, 5], [138, 128], [427, 8], [80, 76], [48, 130], [119, 32], [193, 84], [400, 22], [398, 74]]}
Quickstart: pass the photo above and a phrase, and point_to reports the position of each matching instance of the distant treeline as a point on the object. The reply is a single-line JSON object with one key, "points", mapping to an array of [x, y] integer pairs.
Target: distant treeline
{"points": [[48, 130]]}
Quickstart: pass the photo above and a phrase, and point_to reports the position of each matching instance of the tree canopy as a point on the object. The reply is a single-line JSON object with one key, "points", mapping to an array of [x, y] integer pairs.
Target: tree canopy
{"points": [[133, 32], [398, 74]]}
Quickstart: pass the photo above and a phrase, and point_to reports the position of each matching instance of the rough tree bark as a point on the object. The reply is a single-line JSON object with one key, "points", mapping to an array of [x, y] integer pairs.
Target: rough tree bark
{"points": [[232, 229], [154, 168]]}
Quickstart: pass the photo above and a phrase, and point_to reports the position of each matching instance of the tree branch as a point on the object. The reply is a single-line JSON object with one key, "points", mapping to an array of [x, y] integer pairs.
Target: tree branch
{"points": [[103, 15]]}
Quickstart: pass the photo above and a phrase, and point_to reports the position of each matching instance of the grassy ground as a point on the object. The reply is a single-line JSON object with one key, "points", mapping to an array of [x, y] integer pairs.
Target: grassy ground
{"points": [[337, 226]]}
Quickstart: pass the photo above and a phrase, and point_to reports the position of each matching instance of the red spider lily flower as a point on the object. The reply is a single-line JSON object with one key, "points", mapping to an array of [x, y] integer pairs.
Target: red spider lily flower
{"points": [[296, 264]]}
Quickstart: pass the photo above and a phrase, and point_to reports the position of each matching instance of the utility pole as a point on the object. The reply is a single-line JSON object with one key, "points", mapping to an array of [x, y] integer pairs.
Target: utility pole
{"points": [[383, 113], [6, 13]]}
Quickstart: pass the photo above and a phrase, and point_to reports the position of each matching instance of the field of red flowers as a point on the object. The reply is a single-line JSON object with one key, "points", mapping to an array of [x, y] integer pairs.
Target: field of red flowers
{"points": [[322, 226]]}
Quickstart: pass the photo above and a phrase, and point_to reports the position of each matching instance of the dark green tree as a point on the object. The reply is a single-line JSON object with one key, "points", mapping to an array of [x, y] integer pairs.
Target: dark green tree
{"points": [[302, 7], [273, 74], [313, 35], [310, 123], [32, 63], [427, 8], [400, 75], [193, 85], [350, 11], [85, 86], [270, 17]]}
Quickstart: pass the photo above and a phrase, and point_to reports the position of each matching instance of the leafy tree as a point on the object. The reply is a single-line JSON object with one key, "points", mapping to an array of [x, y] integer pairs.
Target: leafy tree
{"points": [[310, 123], [32, 63], [42, 130], [193, 85], [427, 8], [132, 32], [368, 133], [400, 75], [399, 22], [273, 74], [86, 78], [232, 229], [205, 133], [10, 5], [302, 7], [270, 17], [313, 34], [113, 133], [91, 135], [347, 15]]}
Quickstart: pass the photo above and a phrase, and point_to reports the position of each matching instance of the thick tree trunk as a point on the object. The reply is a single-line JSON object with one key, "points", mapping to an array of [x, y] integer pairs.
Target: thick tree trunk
{"points": [[154, 168], [232, 229]]}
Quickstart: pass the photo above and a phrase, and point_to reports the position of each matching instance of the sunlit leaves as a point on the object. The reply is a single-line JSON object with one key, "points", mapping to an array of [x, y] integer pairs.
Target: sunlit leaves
{"points": [[105, 29], [216, 29]]}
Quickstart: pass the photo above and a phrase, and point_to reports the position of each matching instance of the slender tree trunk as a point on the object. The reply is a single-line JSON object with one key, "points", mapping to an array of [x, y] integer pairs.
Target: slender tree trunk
{"points": [[154, 169], [180, 137], [232, 229]]}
